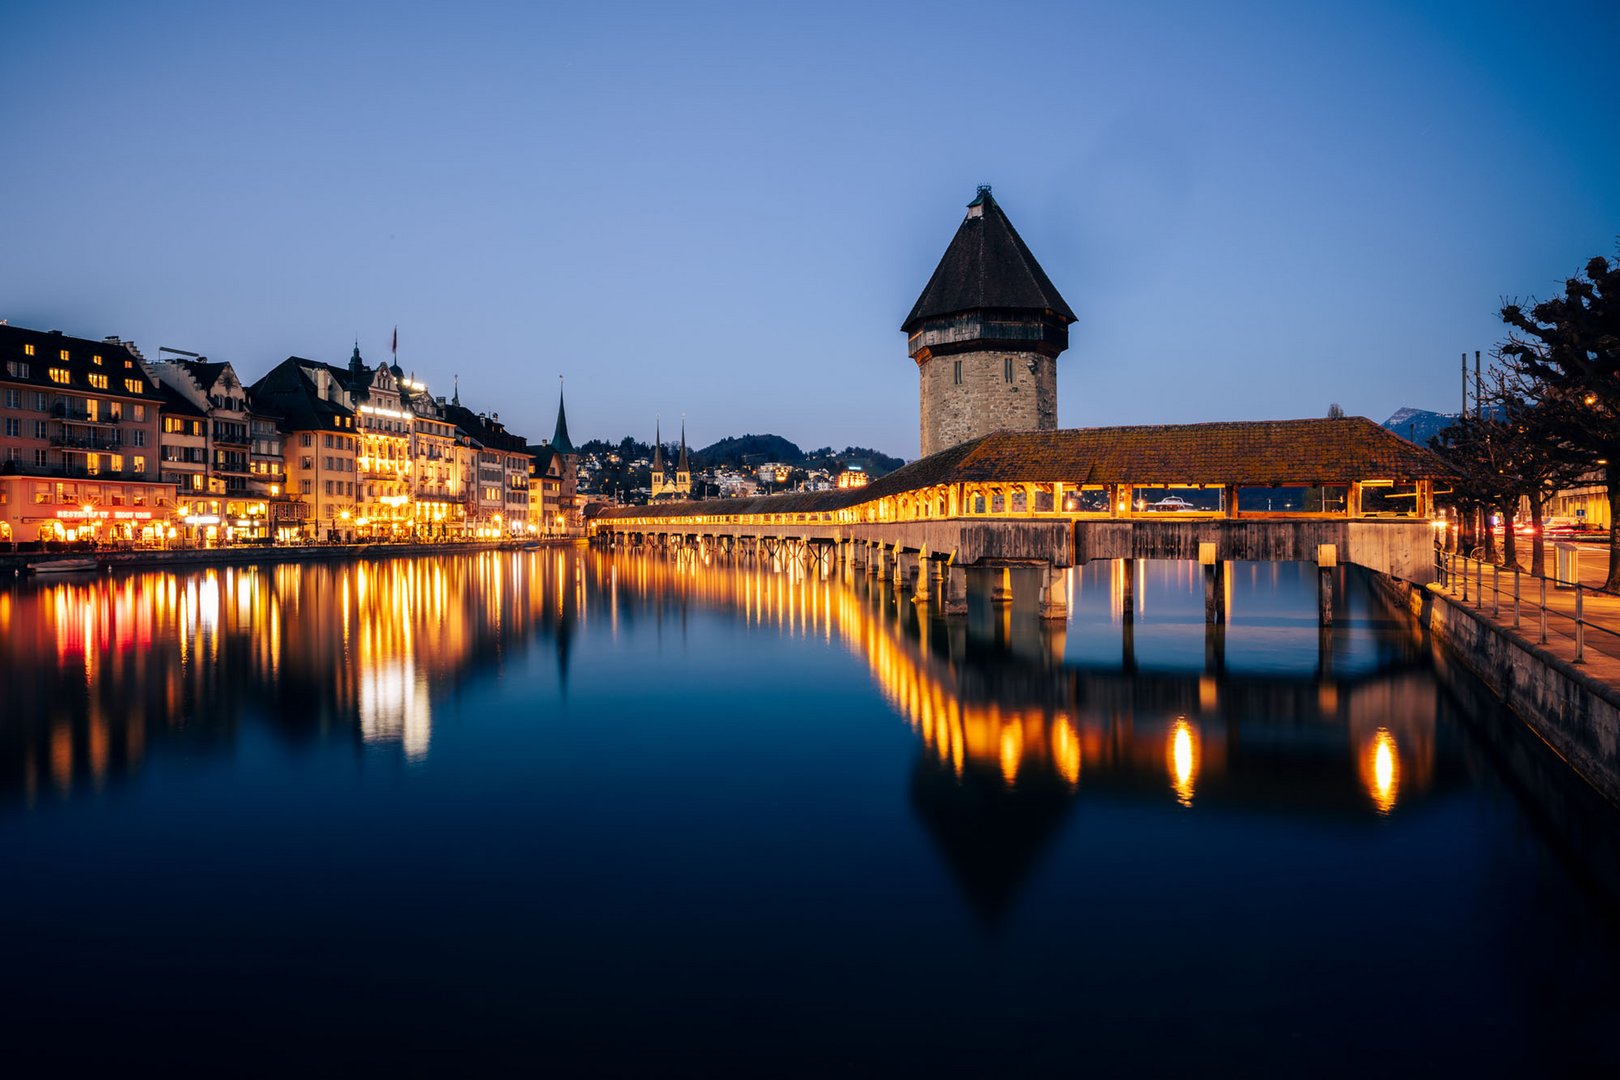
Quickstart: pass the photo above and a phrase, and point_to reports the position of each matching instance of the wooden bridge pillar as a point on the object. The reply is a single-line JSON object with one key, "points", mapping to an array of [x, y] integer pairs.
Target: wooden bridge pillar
{"points": [[1215, 646], [953, 598], [922, 591], [1327, 561], [1054, 592], [1214, 584], [1001, 590]]}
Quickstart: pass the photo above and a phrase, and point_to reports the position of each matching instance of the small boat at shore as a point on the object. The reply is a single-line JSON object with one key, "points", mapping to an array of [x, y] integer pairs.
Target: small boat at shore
{"points": [[63, 566]]}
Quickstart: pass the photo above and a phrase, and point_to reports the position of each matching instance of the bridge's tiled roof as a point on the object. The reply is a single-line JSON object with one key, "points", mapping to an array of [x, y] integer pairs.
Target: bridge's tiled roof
{"points": [[1247, 452]]}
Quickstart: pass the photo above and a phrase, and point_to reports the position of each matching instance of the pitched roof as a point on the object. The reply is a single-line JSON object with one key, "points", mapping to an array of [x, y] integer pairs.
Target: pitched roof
{"points": [[119, 365], [1248, 452], [173, 401], [987, 265], [206, 372], [486, 430], [288, 390]]}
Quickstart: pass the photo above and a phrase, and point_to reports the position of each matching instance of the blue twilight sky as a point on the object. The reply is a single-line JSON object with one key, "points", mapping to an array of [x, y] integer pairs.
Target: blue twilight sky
{"points": [[727, 210]]}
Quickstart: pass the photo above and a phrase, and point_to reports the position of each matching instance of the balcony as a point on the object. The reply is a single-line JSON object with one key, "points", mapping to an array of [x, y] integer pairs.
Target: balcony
{"points": [[108, 441], [81, 472]]}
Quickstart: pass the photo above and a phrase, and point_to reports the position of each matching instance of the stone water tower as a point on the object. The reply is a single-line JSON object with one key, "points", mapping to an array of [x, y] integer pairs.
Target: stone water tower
{"points": [[986, 333]]}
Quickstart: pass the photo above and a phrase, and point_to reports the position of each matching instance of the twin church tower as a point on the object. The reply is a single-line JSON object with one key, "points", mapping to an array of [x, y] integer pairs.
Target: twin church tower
{"points": [[986, 333]]}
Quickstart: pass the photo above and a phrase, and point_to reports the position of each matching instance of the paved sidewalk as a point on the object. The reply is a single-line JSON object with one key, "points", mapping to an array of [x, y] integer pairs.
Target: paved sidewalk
{"points": [[1600, 612]]}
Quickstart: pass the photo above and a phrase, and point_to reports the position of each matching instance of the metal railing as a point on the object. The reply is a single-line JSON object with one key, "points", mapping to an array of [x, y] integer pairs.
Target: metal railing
{"points": [[1461, 576]]}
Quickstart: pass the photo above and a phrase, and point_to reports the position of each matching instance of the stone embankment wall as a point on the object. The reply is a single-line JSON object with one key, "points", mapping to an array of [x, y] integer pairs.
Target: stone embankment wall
{"points": [[1575, 714]]}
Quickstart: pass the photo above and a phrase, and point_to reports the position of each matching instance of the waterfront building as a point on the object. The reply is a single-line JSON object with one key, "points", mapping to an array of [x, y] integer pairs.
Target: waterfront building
{"points": [[78, 440], [319, 437], [986, 333], [853, 477], [1585, 502], [554, 481], [183, 443], [243, 464], [664, 486], [438, 487], [382, 456], [498, 500]]}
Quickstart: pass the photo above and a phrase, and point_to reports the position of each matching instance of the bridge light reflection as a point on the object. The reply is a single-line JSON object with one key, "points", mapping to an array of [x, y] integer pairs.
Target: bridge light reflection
{"points": [[1183, 760], [1382, 770]]}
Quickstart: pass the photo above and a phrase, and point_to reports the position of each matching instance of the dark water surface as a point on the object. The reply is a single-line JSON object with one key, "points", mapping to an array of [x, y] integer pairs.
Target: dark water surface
{"points": [[575, 814]]}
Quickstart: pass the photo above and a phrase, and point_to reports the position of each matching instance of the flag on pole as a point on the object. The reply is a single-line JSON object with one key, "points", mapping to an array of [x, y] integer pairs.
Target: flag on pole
{"points": [[394, 348]]}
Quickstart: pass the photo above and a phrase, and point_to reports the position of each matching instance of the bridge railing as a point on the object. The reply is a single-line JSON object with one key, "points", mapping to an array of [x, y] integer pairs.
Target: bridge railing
{"points": [[1522, 594]]}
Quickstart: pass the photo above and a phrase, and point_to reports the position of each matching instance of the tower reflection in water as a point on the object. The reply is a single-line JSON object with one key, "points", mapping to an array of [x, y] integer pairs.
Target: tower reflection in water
{"points": [[1012, 732]]}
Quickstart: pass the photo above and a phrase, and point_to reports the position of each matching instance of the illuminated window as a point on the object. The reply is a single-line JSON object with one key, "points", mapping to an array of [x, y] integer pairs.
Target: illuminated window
{"points": [[140, 463], [28, 350], [60, 375], [132, 385], [115, 462], [98, 381], [63, 354], [140, 413], [96, 360]]}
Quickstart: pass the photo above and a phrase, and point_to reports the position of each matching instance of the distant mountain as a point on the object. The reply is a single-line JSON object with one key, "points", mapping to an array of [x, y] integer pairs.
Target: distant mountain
{"points": [[1419, 425]]}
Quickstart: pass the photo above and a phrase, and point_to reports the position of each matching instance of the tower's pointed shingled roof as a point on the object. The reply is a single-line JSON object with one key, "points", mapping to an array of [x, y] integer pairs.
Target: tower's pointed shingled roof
{"points": [[682, 466], [987, 266], [559, 438], [658, 448]]}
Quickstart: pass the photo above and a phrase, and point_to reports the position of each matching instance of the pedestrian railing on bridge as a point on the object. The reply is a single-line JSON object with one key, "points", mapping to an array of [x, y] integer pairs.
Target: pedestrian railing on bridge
{"points": [[1520, 593]]}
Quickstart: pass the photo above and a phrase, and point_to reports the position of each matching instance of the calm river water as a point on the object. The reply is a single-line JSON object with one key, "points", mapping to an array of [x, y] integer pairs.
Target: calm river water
{"points": [[582, 814]]}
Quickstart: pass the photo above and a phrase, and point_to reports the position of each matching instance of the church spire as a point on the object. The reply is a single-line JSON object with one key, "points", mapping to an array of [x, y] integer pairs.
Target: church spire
{"points": [[658, 449], [681, 467], [559, 438]]}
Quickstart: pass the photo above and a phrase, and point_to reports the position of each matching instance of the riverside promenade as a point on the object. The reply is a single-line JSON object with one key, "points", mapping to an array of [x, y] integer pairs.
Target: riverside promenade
{"points": [[1548, 649], [1600, 612], [18, 564]]}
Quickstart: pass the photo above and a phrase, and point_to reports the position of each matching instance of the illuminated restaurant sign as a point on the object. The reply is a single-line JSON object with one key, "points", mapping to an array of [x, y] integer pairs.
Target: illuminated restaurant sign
{"points": [[104, 515]]}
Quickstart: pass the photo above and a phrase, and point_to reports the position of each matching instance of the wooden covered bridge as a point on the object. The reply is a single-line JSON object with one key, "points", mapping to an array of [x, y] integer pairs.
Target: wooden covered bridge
{"points": [[1329, 490]]}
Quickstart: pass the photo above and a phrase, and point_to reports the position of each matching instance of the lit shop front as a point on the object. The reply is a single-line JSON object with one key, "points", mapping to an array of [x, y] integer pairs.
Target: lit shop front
{"points": [[35, 508], [214, 521]]}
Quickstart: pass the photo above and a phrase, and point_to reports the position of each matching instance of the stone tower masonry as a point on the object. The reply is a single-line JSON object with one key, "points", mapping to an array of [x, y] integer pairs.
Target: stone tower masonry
{"points": [[986, 333]]}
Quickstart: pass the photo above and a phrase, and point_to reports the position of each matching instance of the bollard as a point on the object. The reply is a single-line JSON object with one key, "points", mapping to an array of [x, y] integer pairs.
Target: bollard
{"points": [[1543, 611], [1580, 628]]}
